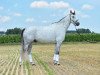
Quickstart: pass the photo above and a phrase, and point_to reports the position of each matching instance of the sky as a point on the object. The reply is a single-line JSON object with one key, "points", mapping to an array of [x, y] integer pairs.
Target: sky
{"points": [[26, 13]]}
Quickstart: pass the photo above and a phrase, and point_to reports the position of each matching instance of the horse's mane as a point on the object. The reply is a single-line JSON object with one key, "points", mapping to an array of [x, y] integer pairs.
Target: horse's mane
{"points": [[59, 20]]}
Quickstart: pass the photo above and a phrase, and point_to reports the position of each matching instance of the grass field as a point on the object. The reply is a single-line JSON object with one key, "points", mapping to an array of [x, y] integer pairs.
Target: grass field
{"points": [[75, 59]]}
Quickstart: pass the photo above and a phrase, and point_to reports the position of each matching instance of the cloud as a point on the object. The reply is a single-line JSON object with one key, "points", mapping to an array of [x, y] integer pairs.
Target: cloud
{"points": [[87, 7], [29, 20], [17, 14], [57, 5], [4, 19], [39, 4], [1, 8]]}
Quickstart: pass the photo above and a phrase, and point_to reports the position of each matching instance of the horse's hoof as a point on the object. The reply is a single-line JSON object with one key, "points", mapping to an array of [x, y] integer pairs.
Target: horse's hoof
{"points": [[20, 64], [32, 63], [56, 63]]}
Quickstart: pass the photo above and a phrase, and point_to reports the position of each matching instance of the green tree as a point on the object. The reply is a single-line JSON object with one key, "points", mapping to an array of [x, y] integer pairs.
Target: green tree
{"points": [[82, 30], [13, 31]]}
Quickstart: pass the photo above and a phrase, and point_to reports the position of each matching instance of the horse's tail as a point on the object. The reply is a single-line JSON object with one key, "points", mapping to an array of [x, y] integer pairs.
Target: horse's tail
{"points": [[22, 33], [22, 39], [22, 42], [24, 51]]}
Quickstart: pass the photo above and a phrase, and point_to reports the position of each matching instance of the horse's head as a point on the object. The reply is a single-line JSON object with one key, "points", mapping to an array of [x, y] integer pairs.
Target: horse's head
{"points": [[73, 18]]}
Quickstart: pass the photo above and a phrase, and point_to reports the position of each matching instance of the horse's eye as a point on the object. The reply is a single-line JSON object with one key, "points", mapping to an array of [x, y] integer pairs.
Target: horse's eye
{"points": [[73, 17]]}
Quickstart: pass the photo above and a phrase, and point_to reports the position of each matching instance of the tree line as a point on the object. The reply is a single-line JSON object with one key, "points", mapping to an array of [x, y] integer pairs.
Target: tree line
{"points": [[18, 31]]}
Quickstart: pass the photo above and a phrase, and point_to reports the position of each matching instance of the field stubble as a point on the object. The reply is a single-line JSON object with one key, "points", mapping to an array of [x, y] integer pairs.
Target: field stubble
{"points": [[75, 59]]}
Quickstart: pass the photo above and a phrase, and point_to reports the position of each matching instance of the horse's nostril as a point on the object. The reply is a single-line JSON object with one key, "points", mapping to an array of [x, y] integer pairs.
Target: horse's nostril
{"points": [[77, 23]]}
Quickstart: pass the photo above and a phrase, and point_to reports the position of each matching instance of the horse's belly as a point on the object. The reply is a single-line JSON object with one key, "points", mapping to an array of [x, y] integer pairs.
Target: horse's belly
{"points": [[45, 38], [42, 40]]}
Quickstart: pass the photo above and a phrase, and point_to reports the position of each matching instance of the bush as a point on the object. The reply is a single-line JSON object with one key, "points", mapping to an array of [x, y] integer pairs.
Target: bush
{"points": [[82, 38], [10, 39], [68, 38]]}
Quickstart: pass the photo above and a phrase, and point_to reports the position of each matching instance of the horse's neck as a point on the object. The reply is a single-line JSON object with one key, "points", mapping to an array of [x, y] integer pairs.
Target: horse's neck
{"points": [[65, 22]]}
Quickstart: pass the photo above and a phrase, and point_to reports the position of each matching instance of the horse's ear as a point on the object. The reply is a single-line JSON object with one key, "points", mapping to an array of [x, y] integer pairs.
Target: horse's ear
{"points": [[72, 12]]}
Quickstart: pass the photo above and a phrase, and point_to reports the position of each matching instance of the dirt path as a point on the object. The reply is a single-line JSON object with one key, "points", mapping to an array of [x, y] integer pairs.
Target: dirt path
{"points": [[75, 59]]}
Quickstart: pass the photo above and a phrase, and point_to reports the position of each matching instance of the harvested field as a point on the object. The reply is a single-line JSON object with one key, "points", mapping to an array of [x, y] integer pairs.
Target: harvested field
{"points": [[75, 59]]}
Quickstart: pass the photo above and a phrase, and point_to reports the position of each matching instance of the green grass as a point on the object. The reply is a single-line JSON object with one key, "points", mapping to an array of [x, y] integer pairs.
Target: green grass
{"points": [[28, 67], [44, 64]]}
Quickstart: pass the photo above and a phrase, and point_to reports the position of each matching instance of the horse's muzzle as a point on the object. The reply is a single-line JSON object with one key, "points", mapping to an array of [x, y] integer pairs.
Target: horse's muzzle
{"points": [[77, 23]]}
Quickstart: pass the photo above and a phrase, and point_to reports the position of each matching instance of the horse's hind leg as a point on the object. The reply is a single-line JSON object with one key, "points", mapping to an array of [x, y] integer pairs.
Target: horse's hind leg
{"points": [[30, 54], [20, 60], [21, 54]]}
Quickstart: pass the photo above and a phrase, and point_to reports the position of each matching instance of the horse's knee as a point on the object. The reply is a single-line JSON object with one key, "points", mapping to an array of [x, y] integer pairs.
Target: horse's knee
{"points": [[57, 52]]}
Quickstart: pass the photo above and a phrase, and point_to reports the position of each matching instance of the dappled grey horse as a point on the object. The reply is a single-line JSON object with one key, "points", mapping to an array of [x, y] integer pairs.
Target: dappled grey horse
{"points": [[53, 33]]}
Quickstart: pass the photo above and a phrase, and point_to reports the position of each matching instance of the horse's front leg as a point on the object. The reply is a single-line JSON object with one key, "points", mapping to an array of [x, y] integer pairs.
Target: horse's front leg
{"points": [[20, 60], [56, 53]]}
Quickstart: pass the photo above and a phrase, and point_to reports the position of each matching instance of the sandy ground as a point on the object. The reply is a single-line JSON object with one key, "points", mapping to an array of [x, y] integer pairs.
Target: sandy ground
{"points": [[75, 59]]}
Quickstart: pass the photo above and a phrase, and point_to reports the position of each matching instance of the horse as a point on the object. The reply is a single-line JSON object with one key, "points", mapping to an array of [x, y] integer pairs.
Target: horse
{"points": [[53, 33]]}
